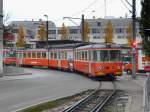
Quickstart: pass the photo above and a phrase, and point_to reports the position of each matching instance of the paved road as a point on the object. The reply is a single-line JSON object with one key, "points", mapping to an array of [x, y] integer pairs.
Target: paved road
{"points": [[20, 91]]}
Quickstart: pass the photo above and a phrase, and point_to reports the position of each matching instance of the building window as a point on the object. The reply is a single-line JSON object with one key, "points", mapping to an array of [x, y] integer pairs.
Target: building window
{"points": [[51, 31], [73, 31], [119, 30], [95, 30], [98, 23], [96, 37], [120, 37], [14, 30], [59, 31]]}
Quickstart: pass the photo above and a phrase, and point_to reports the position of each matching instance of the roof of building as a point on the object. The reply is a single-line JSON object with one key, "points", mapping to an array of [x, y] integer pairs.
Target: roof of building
{"points": [[31, 24], [116, 22]]}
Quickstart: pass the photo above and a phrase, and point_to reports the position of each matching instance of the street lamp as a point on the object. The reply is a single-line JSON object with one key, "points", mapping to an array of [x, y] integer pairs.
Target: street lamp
{"points": [[47, 36]]}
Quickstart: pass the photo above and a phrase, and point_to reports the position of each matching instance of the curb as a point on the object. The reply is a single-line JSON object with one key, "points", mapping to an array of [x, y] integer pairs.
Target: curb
{"points": [[18, 74]]}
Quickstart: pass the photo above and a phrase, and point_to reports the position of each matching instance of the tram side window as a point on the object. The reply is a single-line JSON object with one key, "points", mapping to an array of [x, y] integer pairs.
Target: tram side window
{"points": [[59, 55], [55, 55], [16, 55], [51, 55], [29, 55], [82, 55], [4, 54], [38, 55], [79, 55], [20, 54], [34, 55], [24, 55], [94, 55], [43, 55], [65, 55], [89, 55], [75, 55], [86, 56]]}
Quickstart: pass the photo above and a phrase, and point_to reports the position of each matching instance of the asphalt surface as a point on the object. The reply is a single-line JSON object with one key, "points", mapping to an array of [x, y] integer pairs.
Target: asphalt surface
{"points": [[17, 92]]}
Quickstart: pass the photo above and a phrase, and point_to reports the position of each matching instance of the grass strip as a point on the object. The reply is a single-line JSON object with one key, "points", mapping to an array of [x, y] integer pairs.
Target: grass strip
{"points": [[52, 104]]}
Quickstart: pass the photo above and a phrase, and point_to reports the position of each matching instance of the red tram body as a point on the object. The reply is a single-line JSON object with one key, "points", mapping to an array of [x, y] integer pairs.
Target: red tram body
{"points": [[95, 60], [98, 60]]}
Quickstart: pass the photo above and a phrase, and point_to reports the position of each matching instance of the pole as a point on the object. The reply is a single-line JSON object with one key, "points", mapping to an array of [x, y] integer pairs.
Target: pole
{"points": [[82, 28], [134, 38], [47, 33], [105, 7], [47, 40], [47, 37]]}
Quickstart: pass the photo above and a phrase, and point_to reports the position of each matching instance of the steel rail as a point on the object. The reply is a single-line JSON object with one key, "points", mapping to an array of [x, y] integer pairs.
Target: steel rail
{"points": [[92, 103], [106, 100], [82, 100]]}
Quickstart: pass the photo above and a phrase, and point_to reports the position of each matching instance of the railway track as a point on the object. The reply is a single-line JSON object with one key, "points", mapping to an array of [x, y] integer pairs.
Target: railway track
{"points": [[94, 102]]}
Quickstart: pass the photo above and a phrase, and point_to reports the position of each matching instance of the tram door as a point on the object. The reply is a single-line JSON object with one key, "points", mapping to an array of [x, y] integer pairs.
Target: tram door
{"points": [[90, 58], [70, 59], [20, 56], [59, 60]]}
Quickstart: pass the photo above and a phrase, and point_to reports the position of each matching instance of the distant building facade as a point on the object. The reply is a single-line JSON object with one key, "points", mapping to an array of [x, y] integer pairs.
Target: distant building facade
{"points": [[31, 29], [119, 26], [97, 30]]}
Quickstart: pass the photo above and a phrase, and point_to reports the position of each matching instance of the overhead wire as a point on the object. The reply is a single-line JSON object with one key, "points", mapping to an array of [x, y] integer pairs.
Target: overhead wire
{"points": [[86, 8], [126, 5]]}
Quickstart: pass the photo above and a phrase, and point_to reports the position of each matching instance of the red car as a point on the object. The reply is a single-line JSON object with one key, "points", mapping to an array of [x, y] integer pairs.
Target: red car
{"points": [[147, 68]]}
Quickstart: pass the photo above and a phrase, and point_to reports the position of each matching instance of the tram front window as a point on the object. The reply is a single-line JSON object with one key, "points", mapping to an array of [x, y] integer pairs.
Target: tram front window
{"points": [[10, 54], [101, 55], [115, 55], [106, 55]]}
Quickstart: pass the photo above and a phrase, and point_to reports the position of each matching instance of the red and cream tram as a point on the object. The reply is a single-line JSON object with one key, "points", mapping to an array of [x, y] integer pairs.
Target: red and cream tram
{"points": [[98, 60], [95, 60]]}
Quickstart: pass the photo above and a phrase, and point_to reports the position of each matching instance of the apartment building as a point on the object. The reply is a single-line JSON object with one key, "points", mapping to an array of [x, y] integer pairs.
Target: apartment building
{"points": [[97, 30]]}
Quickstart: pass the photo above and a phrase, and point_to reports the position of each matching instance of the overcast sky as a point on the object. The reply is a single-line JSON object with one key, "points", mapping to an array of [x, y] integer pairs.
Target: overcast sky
{"points": [[57, 9]]}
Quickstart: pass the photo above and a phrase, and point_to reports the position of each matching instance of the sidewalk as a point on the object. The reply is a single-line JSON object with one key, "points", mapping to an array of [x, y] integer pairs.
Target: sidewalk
{"points": [[135, 87], [12, 73]]}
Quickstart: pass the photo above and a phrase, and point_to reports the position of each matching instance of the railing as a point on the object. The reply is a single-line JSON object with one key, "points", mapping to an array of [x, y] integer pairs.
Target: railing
{"points": [[147, 95]]}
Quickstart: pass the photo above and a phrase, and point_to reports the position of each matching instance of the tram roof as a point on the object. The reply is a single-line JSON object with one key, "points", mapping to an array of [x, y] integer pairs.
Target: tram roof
{"points": [[100, 45]]}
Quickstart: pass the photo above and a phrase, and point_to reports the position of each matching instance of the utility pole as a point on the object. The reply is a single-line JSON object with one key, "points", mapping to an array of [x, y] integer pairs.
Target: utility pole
{"points": [[47, 36], [105, 7], [134, 38], [82, 28]]}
